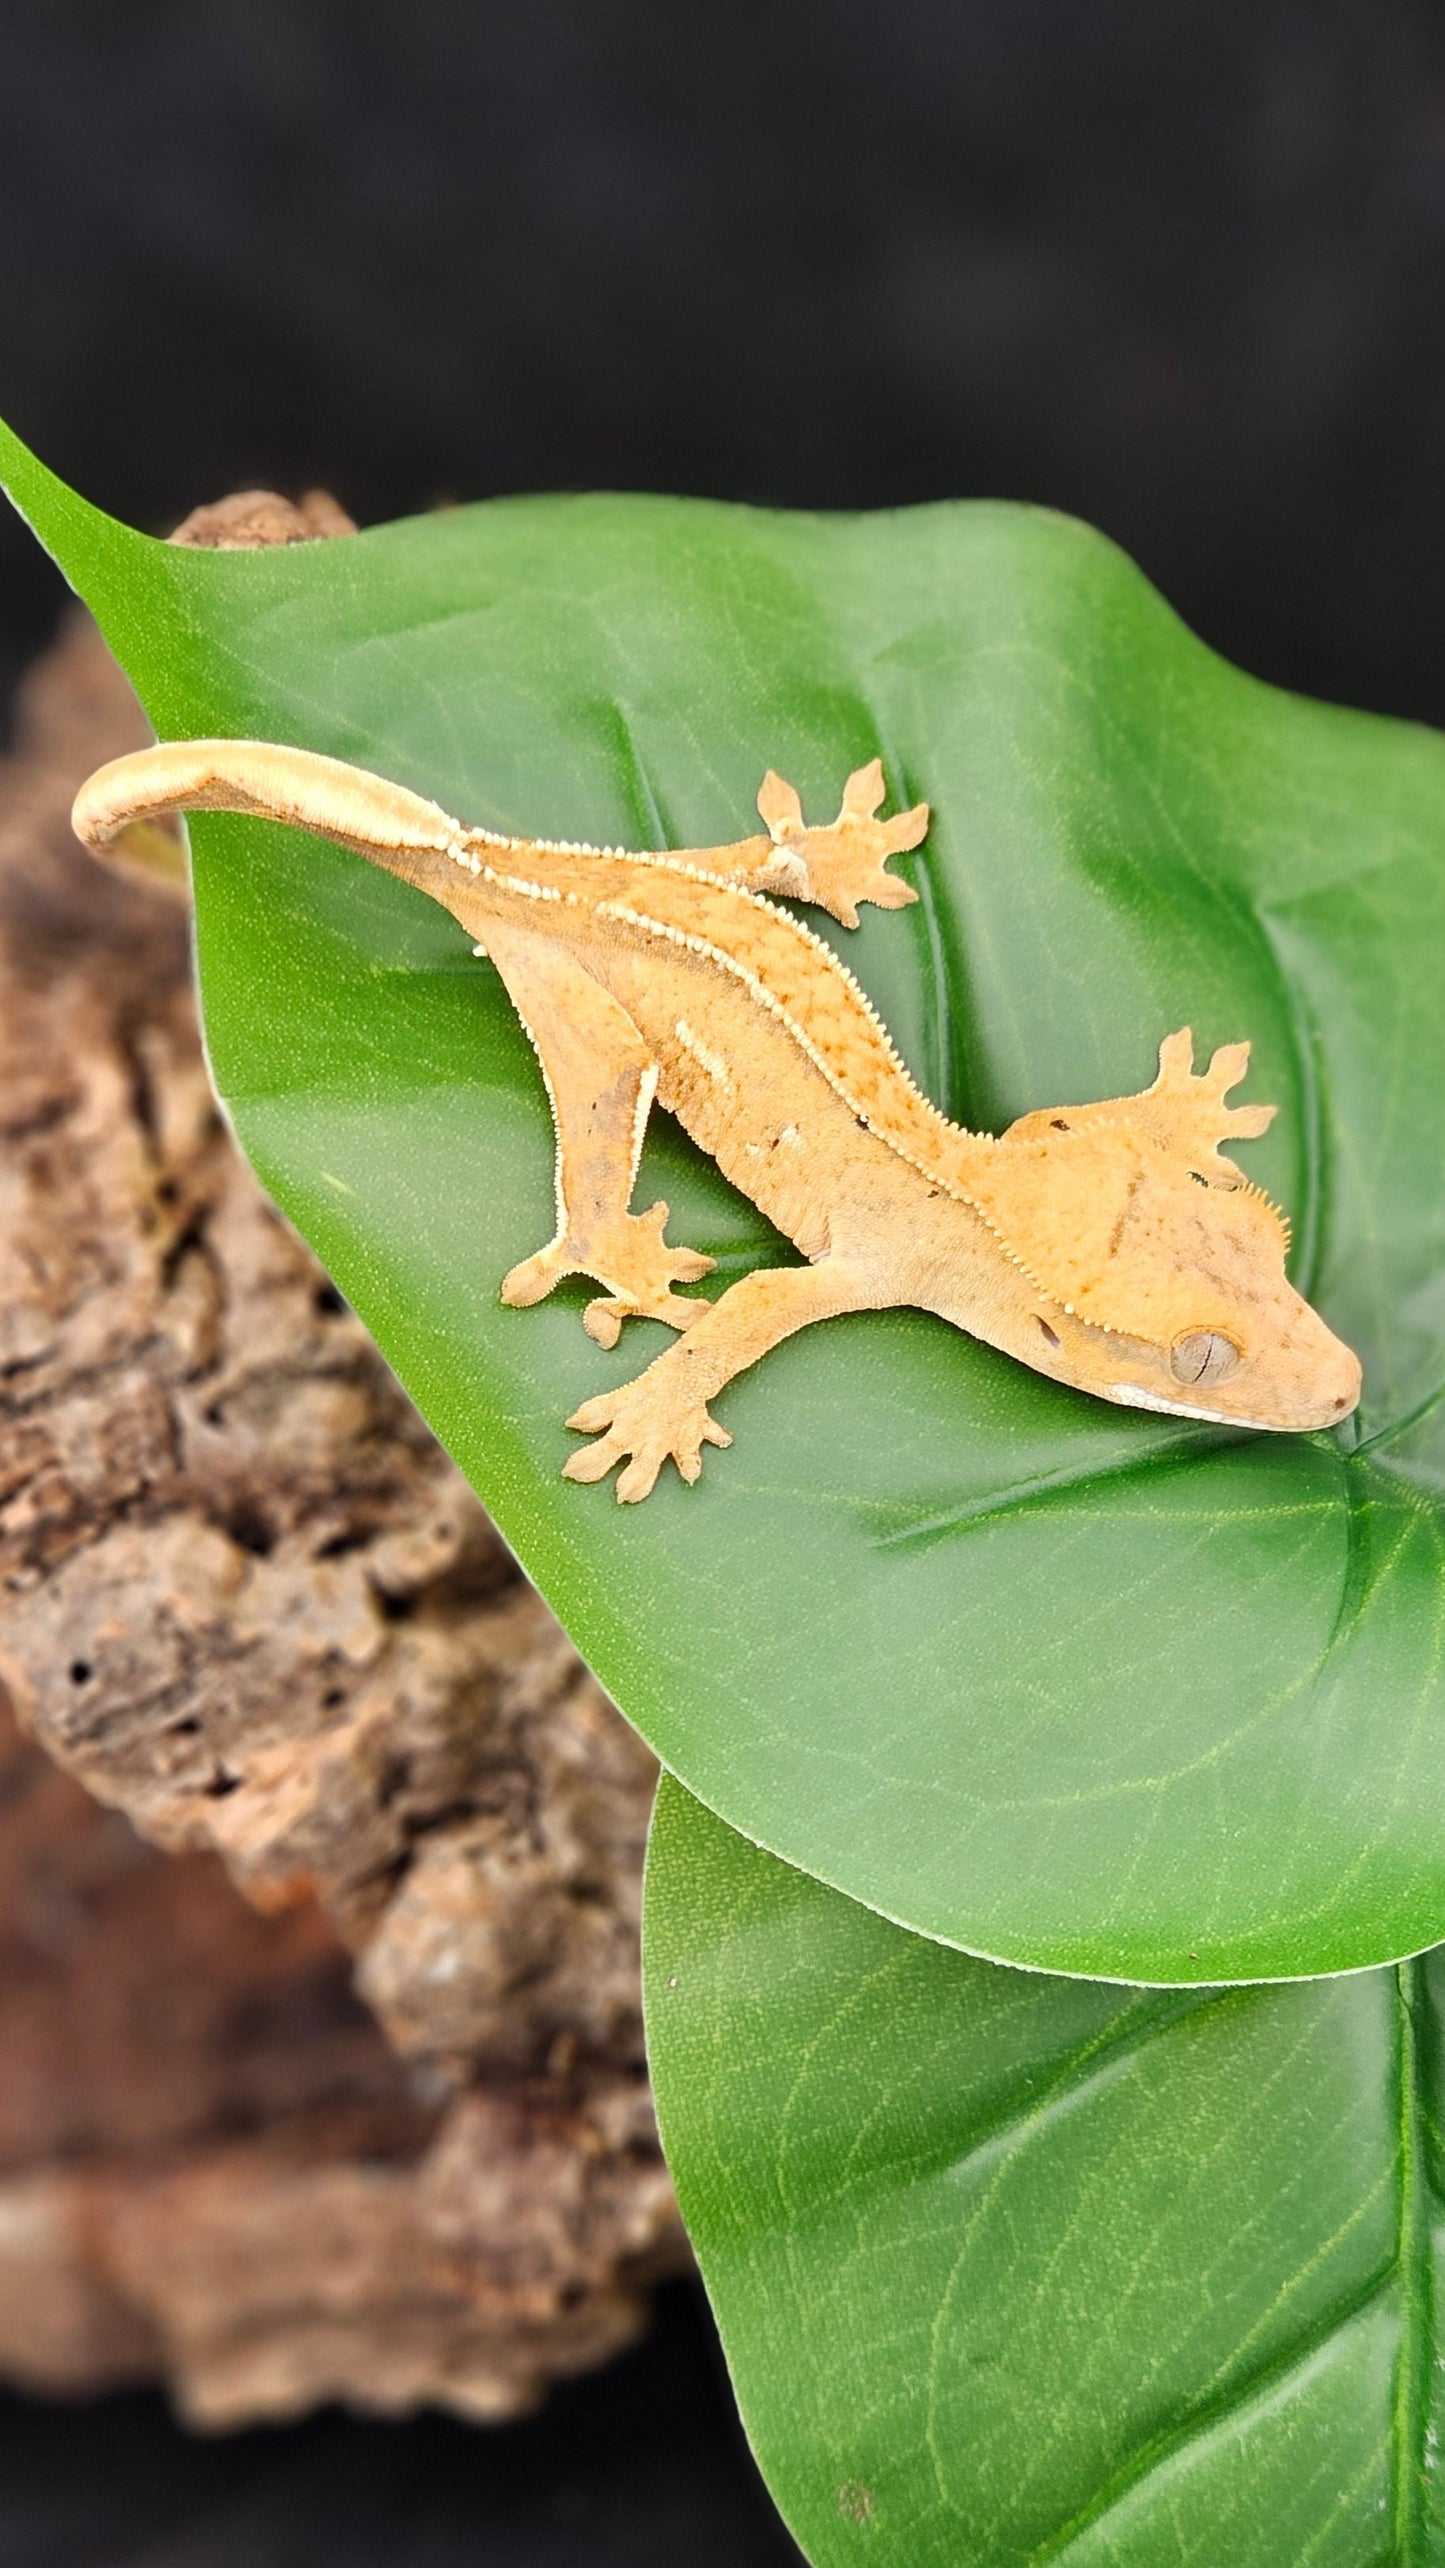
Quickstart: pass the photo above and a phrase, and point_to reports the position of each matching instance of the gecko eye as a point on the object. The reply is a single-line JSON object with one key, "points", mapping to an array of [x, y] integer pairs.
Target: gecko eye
{"points": [[1203, 1355]]}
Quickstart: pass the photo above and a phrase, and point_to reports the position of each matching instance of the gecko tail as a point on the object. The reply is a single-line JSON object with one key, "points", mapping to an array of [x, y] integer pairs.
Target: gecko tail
{"points": [[366, 813]]}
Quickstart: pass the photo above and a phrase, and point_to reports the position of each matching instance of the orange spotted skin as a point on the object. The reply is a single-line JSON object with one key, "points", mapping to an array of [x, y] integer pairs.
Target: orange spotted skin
{"points": [[1110, 1246]]}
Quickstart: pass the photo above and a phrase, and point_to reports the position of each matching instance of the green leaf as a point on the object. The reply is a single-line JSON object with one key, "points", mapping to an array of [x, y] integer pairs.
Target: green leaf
{"points": [[1064, 1684], [1015, 2269]]}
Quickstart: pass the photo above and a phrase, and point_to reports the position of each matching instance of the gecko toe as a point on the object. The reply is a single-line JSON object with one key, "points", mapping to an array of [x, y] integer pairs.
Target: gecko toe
{"points": [[638, 1480], [603, 1320], [593, 1415], [594, 1461], [533, 1279]]}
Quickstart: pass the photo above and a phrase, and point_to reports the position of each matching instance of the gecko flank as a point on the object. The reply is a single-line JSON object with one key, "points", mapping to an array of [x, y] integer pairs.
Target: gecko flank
{"points": [[1109, 1246]]}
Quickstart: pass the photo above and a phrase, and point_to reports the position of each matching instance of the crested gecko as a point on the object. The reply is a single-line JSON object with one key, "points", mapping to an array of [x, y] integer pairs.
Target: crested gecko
{"points": [[1110, 1246]]}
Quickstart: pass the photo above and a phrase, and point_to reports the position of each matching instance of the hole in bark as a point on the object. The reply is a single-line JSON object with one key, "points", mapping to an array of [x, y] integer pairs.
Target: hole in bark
{"points": [[247, 1526], [327, 1300], [222, 1782], [351, 1538], [396, 1609], [81, 1671]]}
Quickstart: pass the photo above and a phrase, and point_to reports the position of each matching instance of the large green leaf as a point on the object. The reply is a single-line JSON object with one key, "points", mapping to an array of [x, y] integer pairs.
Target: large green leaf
{"points": [[1015, 2269], [1062, 1683]]}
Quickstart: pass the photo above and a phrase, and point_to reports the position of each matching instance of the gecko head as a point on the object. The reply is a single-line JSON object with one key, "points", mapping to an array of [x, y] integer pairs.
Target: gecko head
{"points": [[1178, 1301], [1238, 1345], [1165, 1266]]}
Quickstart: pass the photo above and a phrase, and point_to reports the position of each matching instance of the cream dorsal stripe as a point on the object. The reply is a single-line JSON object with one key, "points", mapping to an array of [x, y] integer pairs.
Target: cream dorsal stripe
{"points": [[1111, 1246], [386, 822], [373, 817]]}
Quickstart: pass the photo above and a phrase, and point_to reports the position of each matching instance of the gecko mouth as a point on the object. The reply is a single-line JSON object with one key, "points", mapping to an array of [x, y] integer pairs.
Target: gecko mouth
{"points": [[1132, 1395], [1322, 1414]]}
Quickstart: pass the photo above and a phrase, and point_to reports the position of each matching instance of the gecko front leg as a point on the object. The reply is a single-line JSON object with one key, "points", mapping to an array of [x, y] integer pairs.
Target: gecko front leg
{"points": [[601, 1080], [664, 1413]]}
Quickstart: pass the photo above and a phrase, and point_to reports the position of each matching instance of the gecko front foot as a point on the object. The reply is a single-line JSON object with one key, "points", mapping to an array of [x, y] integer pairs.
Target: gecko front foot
{"points": [[648, 1420], [630, 1256], [846, 863]]}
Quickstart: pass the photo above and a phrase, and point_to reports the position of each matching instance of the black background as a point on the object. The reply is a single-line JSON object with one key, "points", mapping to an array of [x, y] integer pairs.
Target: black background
{"points": [[1178, 268], [1175, 267]]}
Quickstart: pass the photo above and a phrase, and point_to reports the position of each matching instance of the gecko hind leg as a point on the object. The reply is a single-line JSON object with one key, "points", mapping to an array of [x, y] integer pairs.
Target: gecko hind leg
{"points": [[846, 861], [601, 1080], [664, 1414]]}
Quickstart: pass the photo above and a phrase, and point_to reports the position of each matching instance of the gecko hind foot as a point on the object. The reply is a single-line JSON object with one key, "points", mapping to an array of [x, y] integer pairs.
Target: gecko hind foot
{"points": [[641, 1425], [846, 862], [630, 1256]]}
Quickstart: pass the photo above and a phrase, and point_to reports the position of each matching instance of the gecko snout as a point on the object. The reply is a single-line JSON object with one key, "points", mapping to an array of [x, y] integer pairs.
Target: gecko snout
{"points": [[1313, 1382]]}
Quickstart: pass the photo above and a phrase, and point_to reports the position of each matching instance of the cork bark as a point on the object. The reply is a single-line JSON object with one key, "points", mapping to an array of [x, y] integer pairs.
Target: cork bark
{"points": [[247, 1601]]}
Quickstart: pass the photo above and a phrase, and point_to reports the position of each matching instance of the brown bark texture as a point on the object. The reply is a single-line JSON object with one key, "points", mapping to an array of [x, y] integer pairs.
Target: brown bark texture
{"points": [[249, 1603]]}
